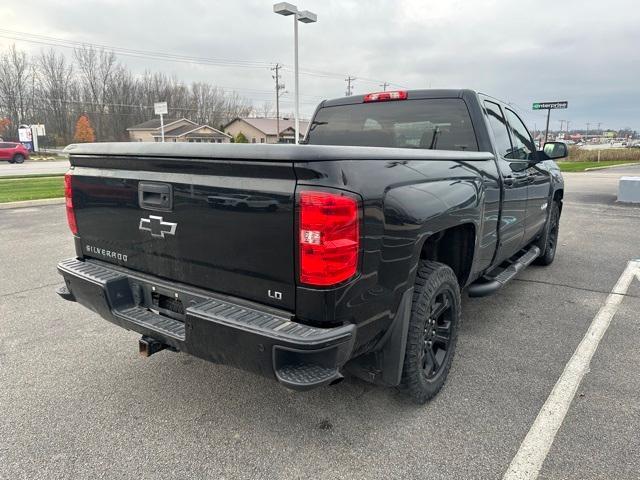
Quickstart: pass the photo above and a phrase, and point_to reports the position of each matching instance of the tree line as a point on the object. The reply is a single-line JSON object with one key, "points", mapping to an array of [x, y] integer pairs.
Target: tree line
{"points": [[52, 89]]}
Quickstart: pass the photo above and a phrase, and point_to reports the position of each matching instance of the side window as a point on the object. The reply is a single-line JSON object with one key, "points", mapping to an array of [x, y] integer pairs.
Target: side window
{"points": [[500, 129], [523, 147]]}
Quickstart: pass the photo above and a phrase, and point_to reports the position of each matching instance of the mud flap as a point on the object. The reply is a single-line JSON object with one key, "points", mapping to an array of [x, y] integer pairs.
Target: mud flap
{"points": [[383, 366]]}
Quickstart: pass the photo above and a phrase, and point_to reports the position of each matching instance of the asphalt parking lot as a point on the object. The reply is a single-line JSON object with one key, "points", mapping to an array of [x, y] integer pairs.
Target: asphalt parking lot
{"points": [[78, 402]]}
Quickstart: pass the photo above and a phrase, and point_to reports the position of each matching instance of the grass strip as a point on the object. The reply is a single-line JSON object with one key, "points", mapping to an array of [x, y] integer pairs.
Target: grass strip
{"points": [[581, 166], [19, 189]]}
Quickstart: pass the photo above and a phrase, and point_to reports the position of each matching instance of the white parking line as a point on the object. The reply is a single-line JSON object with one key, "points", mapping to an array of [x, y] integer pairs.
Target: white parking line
{"points": [[535, 446]]}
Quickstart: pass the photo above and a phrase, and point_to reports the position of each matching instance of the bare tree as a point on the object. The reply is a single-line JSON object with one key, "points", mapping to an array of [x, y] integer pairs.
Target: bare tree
{"points": [[16, 86], [266, 110], [51, 89], [96, 68], [55, 94]]}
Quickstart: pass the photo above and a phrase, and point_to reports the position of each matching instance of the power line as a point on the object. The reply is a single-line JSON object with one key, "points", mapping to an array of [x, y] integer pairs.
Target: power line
{"points": [[4, 98], [61, 42], [164, 56]]}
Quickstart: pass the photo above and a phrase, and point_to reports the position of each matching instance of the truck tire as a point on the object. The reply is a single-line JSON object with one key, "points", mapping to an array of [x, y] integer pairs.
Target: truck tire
{"points": [[433, 331], [550, 238]]}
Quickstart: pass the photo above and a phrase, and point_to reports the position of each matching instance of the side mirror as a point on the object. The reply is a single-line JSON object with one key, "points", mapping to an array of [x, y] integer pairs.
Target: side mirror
{"points": [[555, 150]]}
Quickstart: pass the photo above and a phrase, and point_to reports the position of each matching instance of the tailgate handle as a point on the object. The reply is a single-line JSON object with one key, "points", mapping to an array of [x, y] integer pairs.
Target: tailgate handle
{"points": [[155, 196]]}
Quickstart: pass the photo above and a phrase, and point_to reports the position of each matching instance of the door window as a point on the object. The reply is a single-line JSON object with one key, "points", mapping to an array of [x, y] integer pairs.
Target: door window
{"points": [[500, 129], [523, 147]]}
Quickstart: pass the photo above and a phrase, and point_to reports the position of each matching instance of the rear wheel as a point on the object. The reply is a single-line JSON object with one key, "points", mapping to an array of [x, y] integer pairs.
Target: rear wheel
{"points": [[18, 158], [551, 237], [433, 331]]}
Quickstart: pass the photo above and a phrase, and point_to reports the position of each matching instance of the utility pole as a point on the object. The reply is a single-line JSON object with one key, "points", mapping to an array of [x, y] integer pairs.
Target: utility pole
{"points": [[279, 86], [349, 80], [587, 134], [384, 86], [568, 122], [561, 124]]}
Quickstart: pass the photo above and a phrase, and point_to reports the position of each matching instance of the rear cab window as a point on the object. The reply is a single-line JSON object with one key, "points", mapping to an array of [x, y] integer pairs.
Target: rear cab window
{"points": [[432, 124]]}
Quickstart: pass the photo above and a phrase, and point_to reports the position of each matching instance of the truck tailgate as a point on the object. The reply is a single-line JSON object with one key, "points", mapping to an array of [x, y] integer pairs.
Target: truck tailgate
{"points": [[223, 225]]}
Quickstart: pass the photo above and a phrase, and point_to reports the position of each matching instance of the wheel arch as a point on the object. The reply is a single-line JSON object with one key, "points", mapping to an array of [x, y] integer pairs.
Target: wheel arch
{"points": [[454, 247], [558, 196]]}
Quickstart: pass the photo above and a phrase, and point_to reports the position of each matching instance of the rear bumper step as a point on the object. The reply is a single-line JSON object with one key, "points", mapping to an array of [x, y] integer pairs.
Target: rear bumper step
{"points": [[491, 283], [213, 327]]}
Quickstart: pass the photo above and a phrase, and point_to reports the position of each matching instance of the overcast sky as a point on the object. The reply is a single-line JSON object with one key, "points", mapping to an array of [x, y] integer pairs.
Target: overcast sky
{"points": [[586, 52]]}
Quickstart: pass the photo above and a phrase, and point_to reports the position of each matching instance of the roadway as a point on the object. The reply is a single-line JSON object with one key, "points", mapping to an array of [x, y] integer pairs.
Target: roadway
{"points": [[78, 402], [33, 168]]}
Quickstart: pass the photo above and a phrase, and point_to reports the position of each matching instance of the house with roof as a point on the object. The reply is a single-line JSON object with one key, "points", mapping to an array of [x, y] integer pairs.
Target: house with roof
{"points": [[265, 130], [176, 130]]}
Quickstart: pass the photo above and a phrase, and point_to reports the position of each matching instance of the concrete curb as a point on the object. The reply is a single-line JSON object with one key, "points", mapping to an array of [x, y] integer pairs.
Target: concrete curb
{"points": [[32, 203], [590, 169]]}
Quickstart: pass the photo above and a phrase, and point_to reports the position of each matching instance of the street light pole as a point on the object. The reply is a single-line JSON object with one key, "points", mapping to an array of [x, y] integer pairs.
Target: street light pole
{"points": [[304, 16]]}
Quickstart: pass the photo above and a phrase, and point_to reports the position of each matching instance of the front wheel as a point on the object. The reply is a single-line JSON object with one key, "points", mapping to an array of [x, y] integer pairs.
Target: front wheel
{"points": [[433, 331], [549, 249], [18, 158]]}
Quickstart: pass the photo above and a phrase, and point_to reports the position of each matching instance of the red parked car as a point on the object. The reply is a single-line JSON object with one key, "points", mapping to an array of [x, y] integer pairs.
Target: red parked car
{"points": [[13, 152]]}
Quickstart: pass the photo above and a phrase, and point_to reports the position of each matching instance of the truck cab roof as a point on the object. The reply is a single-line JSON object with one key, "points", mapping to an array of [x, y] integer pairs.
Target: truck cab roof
{"points": [[417, 94]]}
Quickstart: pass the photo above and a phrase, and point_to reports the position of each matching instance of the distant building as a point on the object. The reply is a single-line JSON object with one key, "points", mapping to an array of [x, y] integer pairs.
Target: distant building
{"points": [[176, 130], [265, 130]]}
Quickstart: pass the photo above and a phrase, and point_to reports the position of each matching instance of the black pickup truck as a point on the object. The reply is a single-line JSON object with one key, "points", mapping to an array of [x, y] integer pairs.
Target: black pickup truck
{"points": [[348, 253]]}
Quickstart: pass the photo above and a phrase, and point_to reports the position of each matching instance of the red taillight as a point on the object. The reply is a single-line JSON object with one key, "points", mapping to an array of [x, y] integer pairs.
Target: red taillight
{"points": [[329, 237], [68, 196], [385, 96]]}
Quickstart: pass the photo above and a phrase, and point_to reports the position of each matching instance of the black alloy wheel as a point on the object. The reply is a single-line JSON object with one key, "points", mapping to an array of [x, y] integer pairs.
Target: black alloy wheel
{"points": [[437, 335], [432, 332], [551, 244]]}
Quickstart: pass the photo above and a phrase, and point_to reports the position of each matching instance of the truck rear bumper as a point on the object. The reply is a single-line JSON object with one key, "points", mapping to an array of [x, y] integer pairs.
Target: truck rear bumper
{"points": [[214, 327]]}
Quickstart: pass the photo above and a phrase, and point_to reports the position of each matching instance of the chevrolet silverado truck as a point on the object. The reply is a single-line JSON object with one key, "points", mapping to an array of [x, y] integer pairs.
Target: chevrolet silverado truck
{"points": [[347, 253]]}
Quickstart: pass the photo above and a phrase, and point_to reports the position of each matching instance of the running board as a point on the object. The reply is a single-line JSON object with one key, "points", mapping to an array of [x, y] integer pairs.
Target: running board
{"points": [[491, 283]]}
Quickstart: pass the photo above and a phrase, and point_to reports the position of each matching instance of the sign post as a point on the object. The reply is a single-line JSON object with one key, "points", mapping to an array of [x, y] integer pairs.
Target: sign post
{"points": [[548, 106], [160, 108], [37, 131], [25, 136]]}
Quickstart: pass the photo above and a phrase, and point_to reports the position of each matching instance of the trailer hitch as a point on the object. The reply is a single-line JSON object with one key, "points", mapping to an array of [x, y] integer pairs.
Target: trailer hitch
{"points": [[147, 346]]}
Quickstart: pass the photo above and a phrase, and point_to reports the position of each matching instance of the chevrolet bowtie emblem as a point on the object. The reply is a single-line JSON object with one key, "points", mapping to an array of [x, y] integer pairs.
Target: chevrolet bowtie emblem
{"points": [[157, 227]]}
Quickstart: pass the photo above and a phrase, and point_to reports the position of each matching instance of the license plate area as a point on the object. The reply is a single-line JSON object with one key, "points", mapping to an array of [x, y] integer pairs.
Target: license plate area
{"points": [[163, 301], [165, 305]]}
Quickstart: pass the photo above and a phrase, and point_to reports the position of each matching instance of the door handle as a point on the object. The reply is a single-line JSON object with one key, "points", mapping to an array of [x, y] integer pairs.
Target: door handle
{"points": [[155, 196]]}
